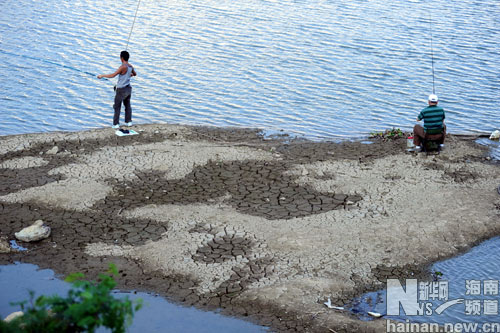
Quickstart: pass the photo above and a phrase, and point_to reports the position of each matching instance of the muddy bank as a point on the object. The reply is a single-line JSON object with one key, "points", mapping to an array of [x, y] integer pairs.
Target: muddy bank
{"points": [[264, 229]]}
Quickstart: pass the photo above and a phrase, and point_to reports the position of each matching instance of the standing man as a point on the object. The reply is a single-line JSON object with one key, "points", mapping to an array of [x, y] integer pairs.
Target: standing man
{"points": [[433, 117], [123, 89]]}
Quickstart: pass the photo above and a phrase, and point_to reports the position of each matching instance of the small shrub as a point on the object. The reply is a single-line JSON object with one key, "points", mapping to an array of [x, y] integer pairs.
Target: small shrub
{"points": [[391, 134], [436, 275], [87, 306]]}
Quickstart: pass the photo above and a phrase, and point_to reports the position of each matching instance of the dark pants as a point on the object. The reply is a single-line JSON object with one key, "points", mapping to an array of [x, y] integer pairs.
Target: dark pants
{"points": [[419, 135], [123, 95]]}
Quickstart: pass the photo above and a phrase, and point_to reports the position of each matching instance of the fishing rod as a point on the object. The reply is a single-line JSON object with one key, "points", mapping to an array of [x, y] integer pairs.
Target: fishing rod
{"points": [[69, 67], [132, 28], [48, 62], [432, 55]]}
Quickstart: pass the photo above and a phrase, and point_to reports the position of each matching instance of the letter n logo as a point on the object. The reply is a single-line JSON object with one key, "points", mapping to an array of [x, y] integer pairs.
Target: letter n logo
{"points": [[396, 295]]}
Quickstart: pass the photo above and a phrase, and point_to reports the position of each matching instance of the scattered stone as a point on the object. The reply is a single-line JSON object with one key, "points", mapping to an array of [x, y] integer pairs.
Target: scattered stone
{"points": [[13, 316], [4, 245], [33, 233], [54, 150], [375, 314]]}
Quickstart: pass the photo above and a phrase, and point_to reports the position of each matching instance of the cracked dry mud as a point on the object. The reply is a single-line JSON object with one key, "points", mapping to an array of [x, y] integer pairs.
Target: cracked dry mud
{"points": [[265, 229]]}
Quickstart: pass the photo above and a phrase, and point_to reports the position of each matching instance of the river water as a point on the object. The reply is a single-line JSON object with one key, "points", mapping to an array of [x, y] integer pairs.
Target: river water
{"points": [[318, 69], [472, 280], [156, 314]]}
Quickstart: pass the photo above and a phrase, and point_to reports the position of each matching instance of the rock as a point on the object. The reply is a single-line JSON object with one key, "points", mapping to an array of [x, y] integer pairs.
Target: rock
{"points": [[495, 135], [53, 150], [35, 232], [13, 316], [375, 314], [4, 245]]}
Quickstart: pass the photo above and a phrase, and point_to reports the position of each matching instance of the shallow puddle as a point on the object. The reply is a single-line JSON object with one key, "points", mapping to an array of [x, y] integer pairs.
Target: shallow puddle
{"points": [[494, 146], [156, 315], [473, 280]]}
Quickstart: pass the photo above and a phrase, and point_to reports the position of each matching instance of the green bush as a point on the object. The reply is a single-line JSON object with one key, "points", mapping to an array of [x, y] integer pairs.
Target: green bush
{"points": [[391, 134], [87, 306]]}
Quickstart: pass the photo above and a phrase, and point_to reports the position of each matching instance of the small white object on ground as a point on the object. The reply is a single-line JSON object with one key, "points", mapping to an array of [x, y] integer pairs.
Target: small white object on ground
{"points": [[34, 232], [4, 245], [495, 135], [375, 314], [130, 132], [330, 306], [53, 150], [13, 316], [409, 142]]}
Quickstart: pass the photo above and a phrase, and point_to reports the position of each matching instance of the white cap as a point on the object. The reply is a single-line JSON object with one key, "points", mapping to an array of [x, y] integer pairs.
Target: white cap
{"points": [[433, 98]]}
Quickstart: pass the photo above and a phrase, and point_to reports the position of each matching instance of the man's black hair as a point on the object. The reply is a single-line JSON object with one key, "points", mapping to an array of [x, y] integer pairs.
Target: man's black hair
{"points": [[124, 55]]}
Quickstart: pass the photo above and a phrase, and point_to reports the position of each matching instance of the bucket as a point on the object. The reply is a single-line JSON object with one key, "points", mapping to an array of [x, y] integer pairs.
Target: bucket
{"points": [[409, 142]]}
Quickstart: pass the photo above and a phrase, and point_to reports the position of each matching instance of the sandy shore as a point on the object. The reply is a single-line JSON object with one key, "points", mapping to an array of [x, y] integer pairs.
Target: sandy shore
{"points": [[266, 229]]}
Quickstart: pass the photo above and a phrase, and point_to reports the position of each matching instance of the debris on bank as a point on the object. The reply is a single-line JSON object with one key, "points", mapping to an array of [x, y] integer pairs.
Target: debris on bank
{"points": [[35, 232], [4, 245]]}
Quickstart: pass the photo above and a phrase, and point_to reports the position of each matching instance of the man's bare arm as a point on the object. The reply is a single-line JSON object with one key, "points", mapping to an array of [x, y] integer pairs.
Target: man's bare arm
{"points": [[110, 76]]}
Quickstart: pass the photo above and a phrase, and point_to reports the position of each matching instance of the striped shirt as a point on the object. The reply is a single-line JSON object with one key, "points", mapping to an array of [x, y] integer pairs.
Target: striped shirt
{"points": [[433, 117]]}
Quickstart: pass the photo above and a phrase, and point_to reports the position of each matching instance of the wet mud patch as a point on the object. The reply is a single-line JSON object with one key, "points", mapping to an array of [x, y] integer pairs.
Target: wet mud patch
{"points": [[243, 276], [382, 272], [462, 175], [256, 188], [227, 134], [14, 180], [80, 146], [300, 151], [67, 152], [225, 247], [73, 230]]}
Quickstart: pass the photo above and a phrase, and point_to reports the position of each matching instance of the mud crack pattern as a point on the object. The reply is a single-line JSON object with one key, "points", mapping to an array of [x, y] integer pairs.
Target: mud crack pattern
{"points": [[255, 188]]}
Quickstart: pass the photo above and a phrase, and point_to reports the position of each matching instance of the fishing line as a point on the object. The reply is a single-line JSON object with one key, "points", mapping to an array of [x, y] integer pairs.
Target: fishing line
{"points": [[48, 62], [432, 54], [132, 28]]}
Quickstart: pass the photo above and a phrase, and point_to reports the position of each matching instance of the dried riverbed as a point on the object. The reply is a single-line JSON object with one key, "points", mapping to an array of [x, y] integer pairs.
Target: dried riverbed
{"points": [[223, 218]]}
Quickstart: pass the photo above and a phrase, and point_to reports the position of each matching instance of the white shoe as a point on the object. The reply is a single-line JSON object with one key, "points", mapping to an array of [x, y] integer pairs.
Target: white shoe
{"points": [[129, 124], [116, 126], [441, 145], [418, 148]]}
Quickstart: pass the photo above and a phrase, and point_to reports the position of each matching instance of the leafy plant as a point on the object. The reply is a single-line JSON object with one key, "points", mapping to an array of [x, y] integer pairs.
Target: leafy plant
{"points": [[391, 134], [87, 306], [437, 275]]}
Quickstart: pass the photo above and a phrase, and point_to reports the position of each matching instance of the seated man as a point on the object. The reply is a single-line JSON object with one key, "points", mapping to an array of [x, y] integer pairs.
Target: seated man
{"points": [[434, 126]]}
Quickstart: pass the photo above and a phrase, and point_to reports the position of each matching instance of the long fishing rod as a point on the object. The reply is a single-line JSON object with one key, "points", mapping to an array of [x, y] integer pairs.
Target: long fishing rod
{"points": [[132, 28], [48, 62], [432, 55]]}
